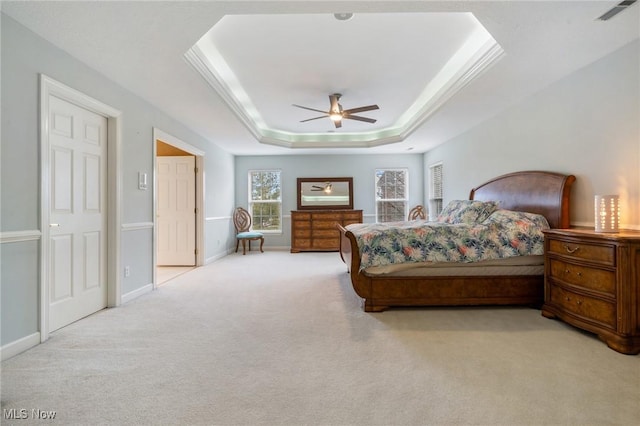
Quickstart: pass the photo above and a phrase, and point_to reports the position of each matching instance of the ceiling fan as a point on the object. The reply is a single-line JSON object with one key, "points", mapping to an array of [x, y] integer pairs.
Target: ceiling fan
{"points": [[326, 188], [337, 114]]}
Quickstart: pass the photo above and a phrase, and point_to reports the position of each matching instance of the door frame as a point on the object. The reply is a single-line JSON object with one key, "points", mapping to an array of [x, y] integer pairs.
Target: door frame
{"points": [[159, 135], [50, 87]]}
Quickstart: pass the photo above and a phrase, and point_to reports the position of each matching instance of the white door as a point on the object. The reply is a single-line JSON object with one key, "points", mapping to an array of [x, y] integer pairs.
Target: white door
{"points": [[78, 213], [176, 211]]}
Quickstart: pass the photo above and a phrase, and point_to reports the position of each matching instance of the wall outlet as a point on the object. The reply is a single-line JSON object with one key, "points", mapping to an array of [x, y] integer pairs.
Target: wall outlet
{"points": [[127, 271]]}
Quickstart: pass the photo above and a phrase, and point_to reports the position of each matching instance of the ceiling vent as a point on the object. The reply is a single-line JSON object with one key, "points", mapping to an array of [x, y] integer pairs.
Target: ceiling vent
{"points": [[616, 9]]}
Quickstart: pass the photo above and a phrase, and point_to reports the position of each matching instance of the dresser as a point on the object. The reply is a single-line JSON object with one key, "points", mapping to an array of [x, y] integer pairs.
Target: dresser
{"points": [[315, 230], [592, 282]]}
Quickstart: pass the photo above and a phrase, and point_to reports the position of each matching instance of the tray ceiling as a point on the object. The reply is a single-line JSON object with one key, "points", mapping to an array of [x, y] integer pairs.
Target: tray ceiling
{"points": [[306, 57], [394, 53]]}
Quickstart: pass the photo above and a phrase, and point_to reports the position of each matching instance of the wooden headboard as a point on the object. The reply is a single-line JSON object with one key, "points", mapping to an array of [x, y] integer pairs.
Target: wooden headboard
{"points": [[544, 193]]}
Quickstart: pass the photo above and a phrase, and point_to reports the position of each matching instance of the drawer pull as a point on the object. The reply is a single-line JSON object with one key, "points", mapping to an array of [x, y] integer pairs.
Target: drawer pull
{"points": [[570, 250], [579, 302]]}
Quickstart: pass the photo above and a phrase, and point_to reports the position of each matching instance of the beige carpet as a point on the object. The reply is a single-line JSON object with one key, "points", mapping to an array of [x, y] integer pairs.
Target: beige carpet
{"points": [[280, 339], [168, 273]]}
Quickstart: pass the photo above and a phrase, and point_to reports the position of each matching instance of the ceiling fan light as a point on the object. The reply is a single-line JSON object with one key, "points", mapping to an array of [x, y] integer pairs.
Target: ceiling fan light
{"points": [[335, 116]]}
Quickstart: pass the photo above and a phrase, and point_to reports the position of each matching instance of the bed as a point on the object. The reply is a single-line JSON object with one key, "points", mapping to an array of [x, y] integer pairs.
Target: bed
{"points": [[513, 281]]}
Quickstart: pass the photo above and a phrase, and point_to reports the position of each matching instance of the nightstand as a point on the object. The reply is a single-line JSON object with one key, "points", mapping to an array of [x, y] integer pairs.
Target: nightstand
{"points": [[591, 281]]}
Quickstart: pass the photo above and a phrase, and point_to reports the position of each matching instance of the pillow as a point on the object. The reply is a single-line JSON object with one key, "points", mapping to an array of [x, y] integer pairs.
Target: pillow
{"points": [[517, 219], [467, 211]]}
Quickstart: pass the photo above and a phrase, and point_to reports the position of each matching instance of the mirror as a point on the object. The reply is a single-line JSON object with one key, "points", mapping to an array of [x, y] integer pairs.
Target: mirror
{"points": [[325, 193]]}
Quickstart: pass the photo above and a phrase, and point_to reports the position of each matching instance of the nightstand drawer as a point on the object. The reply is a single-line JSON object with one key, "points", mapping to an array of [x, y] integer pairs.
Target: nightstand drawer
{"points": [[584, 306], [583, 276], [602, 254]]}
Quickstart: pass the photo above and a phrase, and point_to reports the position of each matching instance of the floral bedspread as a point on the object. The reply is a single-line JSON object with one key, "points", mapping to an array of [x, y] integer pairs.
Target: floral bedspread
{"points": [[503, 234]]}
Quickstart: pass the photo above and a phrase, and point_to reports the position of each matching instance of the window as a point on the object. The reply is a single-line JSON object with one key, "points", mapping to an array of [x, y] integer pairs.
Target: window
{"points": [[265, 200], [391, 194], [435, 190]]}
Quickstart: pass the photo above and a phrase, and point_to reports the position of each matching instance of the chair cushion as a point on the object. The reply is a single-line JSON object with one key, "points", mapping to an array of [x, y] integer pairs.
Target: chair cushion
{"points": [[249, 234]]}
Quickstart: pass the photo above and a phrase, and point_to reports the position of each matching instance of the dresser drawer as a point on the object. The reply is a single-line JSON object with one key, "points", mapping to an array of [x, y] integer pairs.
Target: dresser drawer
{"points": [[302, 243], [300, 224], [324, 224], [326, 233], [325, 244], [326, 217], [583, 276], [301, 216], [586, 307], [597, 253], [302, 233], [352, 216]]}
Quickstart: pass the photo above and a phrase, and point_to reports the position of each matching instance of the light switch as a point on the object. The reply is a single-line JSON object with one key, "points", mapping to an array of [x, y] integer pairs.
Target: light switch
{"points": [[142, 181]]}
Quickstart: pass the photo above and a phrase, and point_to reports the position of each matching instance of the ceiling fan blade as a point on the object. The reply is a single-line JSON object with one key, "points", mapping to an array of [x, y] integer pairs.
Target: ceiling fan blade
{"points": [[311, 109], [336, 112], [357, 117], [314, 118], [361, 109]]}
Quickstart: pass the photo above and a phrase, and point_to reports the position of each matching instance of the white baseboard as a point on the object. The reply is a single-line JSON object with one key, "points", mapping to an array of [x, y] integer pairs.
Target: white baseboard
{"points": [[277, 248], [14, 348], [218, 256], [136, 293], [233, 250]]}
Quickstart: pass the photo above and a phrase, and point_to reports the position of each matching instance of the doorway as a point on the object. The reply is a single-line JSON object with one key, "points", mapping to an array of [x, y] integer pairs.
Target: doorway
{"points": [[178, 212]]}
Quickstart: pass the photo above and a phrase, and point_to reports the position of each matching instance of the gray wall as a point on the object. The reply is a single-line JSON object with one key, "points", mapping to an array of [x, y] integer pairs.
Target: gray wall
{"points": [[360, 167], [586, 124], [24, 56]]}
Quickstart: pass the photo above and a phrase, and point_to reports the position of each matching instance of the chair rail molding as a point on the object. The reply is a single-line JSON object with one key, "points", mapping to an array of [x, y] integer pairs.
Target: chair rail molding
{"points": [[137, 226], [20, 236]]}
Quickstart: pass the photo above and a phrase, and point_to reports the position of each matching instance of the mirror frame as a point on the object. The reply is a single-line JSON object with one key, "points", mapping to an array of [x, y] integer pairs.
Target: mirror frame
{"points": [[302, 181]]}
